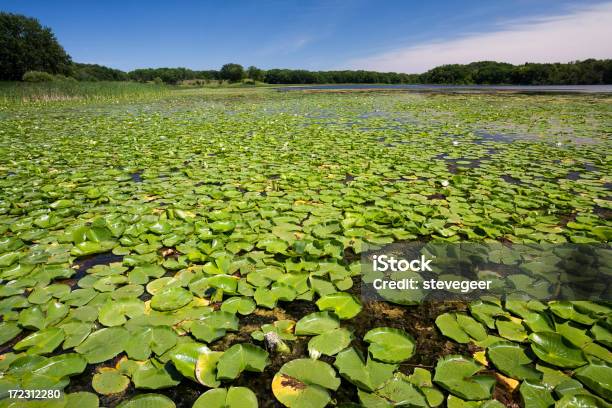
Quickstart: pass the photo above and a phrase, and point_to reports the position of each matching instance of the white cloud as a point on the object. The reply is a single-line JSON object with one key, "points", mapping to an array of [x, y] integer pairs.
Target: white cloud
{"points": [[581, 34]]}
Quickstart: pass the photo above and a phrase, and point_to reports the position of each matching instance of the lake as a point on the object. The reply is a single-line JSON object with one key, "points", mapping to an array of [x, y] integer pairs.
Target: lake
{"points": [[459, 88]]}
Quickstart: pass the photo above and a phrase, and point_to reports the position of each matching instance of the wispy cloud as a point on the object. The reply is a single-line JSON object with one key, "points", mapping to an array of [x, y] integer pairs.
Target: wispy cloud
{"points": [[287, 46], [580, 34]]}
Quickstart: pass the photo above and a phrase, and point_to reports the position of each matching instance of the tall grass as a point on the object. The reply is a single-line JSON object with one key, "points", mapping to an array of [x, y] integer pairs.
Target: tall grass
{"points": [[45, 92]]}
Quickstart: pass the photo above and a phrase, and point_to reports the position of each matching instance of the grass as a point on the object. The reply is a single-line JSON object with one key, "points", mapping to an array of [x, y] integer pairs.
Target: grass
{"points": [[21, 92]]}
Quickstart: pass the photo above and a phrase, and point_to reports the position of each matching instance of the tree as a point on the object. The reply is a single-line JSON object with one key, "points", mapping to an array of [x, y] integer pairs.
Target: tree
{"points": [[232, 72], [25, 45], [255, 73]]}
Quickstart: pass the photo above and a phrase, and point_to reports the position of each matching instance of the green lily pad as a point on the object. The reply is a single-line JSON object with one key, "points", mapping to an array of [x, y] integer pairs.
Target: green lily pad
{"points": [[103, 344], [234, 397], [42, 342], [556, 350], [115, 313], [242, 305], [458, 375], [239, 358], [329, 343], [511, 360], [206, 368], [316, 323], [535, 395], [390, 345], [598, 378], [344, 305], [367, 376], [214, 326], [171, 299], [109, 381], [305, 383], [148, 401]]}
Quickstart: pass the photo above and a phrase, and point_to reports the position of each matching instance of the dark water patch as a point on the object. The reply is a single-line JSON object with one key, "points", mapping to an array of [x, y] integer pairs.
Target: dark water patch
{"points": [[573, 175], [567, 218], [604, 213], [8, 347], [510, 179], [436, 196], [530, 89], [590, 167], [348, 178], [136, 177], [83, 264]]}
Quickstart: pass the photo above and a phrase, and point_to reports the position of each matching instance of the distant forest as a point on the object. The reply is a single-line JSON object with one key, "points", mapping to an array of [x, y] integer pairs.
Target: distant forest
{"points": [[588, 72], [29, 51]]}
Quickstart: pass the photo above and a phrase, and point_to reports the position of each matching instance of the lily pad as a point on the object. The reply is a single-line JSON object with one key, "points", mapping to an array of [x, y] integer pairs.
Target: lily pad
{"points": [[305, 383], [148, 401], [344, 305], [556, 350], [171, 299], [459, 375], [109, 381], [390, 345], [316, 323], [239, 358], [103, 344], [234, 397]]}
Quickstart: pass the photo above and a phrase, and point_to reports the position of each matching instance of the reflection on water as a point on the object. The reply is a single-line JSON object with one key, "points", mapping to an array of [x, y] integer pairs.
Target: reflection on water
{"points": [[460, 88]]}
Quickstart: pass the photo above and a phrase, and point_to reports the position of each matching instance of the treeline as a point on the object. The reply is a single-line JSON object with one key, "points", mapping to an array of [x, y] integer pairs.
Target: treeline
{"points": [[587, 72], [29, 51]]}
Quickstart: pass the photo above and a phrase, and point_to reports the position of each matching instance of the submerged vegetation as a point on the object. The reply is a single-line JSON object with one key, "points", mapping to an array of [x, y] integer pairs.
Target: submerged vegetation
{"points": [[202, 248]]}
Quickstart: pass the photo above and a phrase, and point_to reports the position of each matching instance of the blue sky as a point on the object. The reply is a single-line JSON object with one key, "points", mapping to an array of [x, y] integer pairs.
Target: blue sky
{"points": [[407, 36]]}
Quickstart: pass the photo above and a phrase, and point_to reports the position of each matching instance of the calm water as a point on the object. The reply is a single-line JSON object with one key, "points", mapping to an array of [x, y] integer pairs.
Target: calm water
{"points": [[462, 88]]}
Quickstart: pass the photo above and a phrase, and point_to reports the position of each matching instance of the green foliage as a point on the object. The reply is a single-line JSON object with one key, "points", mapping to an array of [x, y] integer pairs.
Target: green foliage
{"points": [[37, 76], [459, 375], [389, 345], [234, 397], [305, 383], [25, 45], [232, 72]]}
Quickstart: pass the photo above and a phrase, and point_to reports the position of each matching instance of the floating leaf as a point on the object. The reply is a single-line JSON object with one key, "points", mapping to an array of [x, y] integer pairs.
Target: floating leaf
{"points": [[146, 339], [103, 344], [556, 350], [511, 360], [389, 345], [234, 397], [152, 375], [343, 304], [185, 356], [597, 377], [329, 343], [239, 358], [304, 383], [52, 372], [148, 401], [535, 395], [458, 375], [206, 368], [8, 331], [42, 342], [213, 326], [115, 313], [171, 299], [109, 381], [242, 305], [368, 376], [316, 323]]}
